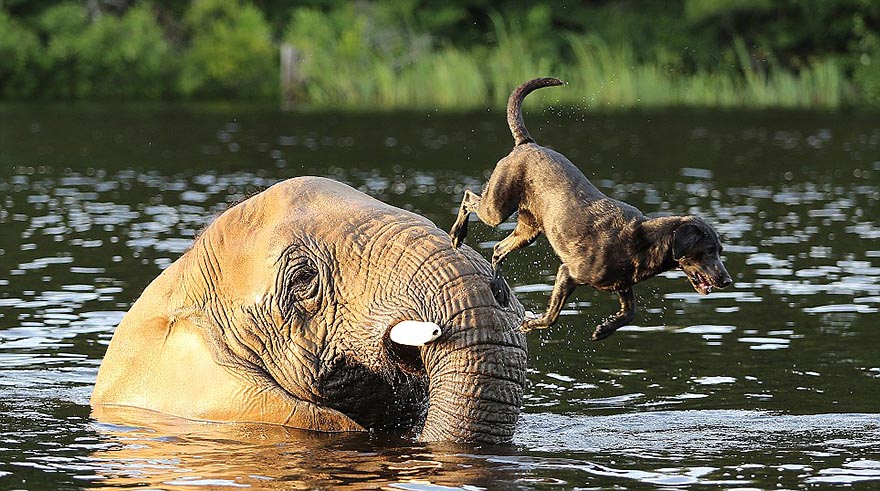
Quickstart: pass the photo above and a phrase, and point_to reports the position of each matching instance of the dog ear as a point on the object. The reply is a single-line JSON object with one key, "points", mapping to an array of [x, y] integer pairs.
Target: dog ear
{"points": [[683, 239]]}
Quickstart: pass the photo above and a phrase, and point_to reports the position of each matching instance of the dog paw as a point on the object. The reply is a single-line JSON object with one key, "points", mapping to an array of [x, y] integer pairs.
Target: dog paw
{"points": [[528, 326], [528, 319], [599, 333], [457, 233], [603, 331], [500, 291], [457, 240], [533, 323]]}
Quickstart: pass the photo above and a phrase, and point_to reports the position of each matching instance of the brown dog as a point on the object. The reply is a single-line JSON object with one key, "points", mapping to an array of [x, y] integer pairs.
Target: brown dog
{"points": [[607, 244]]}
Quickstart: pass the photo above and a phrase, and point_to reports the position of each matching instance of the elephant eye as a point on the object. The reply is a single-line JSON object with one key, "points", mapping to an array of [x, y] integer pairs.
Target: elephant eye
{"points": [[298, 286], [303, 274]]}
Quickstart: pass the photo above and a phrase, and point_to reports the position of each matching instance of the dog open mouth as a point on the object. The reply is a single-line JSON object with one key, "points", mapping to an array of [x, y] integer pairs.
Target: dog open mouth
{"points": [[700, 282]]}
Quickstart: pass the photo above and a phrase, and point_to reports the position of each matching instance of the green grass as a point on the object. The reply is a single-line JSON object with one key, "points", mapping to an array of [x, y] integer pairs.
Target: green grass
{"points": [[376, 71]]}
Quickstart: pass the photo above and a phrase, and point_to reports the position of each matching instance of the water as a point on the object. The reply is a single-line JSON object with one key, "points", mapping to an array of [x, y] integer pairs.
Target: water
{"points": [[772, 383]]}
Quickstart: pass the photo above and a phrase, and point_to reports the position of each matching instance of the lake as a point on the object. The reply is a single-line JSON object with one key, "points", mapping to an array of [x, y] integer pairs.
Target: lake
{"points": [[773, 382]]}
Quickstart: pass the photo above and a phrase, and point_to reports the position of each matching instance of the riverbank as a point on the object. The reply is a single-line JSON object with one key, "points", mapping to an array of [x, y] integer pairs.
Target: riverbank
{"points": [[384, 55]]}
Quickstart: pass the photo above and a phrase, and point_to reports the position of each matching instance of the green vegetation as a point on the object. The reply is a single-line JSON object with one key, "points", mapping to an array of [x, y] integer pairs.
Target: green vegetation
{"points": [[385, 54], [231, 52]]}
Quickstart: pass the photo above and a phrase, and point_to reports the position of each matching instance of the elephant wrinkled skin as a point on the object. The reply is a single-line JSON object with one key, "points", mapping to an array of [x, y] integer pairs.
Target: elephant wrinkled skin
{"points": [[280, 314]]}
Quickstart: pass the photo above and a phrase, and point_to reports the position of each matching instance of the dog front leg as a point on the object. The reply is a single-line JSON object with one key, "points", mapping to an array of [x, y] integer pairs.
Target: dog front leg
{"points": [[624, 316], [563, 287], [469, 204]]}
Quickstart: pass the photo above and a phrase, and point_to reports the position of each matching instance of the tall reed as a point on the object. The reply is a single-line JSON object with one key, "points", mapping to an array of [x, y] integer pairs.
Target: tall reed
{"points": [[357, 64]]}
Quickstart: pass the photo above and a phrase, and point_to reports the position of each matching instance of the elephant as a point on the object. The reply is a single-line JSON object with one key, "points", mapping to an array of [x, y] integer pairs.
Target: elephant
{"points": [[314, 306]]}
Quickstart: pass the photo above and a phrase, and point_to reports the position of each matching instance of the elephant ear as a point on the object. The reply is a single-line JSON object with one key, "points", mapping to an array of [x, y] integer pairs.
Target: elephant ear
{"points": [[684, 238]]}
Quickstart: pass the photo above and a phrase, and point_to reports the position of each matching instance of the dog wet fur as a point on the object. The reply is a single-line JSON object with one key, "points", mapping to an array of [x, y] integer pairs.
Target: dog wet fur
{"points": [[602, 242]]}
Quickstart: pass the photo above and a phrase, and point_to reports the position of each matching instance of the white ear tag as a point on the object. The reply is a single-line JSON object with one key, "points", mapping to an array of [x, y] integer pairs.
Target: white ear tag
{"points": [[414, 333]]}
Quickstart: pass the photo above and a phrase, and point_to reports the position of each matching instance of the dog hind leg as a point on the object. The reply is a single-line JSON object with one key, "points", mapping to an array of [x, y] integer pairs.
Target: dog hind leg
{"points": [[523, 235], [562, 288], [469, 204], [621, 318]]}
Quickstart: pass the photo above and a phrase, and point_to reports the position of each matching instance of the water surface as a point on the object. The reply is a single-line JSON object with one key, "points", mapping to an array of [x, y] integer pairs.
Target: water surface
{"points": [[772, 383]]}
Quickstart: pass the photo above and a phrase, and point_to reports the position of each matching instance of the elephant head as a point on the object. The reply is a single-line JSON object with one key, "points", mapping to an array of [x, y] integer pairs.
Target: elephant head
{"points": [[282, 313]]}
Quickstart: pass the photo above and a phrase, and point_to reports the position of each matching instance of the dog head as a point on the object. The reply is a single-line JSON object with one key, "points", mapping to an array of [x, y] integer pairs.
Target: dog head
{"points": [[696, 248]]}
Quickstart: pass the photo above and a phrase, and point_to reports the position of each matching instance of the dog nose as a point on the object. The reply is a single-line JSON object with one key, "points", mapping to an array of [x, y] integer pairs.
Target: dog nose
{"points": [[725, 281]]}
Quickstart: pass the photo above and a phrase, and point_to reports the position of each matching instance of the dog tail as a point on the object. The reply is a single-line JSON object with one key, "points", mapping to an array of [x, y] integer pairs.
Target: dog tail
{"points": [[514, 107]]}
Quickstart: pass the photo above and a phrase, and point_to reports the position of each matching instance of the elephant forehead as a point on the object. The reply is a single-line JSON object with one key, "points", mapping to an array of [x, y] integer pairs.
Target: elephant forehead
{"points": [[332, 212], [306, 206], [324, 215], [324, 196], [323, 207]]}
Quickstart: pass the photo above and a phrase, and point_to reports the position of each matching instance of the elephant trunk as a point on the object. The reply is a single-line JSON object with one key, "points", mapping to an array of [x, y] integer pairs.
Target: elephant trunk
{"points": [[476, 365], [476, 375]]}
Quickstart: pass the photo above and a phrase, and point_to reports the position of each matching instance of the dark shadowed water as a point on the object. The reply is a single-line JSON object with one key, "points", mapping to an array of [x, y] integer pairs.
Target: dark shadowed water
{"points": [[772, 383]]}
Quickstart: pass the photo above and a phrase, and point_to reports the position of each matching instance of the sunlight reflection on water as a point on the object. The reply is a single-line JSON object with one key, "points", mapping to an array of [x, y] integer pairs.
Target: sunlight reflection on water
{"points": [[772, 381]]}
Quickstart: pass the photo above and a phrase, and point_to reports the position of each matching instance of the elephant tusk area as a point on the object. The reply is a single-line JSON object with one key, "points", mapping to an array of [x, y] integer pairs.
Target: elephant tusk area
{"points": [[415, 333]]}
